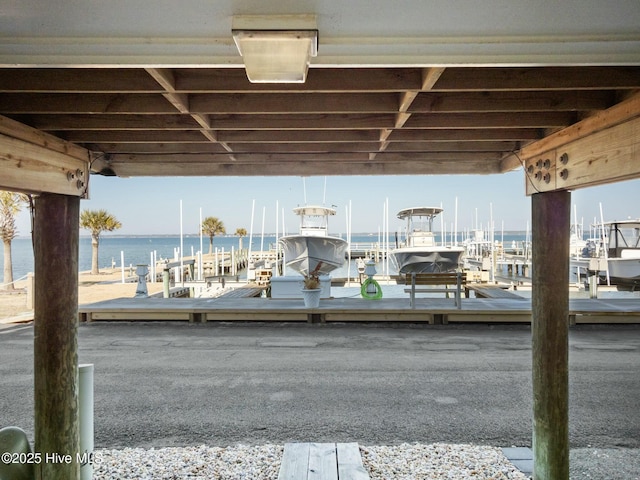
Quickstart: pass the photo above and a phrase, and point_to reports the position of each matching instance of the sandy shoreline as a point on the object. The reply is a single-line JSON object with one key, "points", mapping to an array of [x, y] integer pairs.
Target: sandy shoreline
{"points": [[91, 288]]}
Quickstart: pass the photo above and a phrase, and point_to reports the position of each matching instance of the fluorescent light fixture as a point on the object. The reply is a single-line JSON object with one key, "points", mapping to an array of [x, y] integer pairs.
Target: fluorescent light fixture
{"points": [[276, 48]]}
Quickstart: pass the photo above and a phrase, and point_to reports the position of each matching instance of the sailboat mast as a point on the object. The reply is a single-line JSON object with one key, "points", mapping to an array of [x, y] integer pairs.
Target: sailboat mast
{"points": [[304, 189], [324, 192]]}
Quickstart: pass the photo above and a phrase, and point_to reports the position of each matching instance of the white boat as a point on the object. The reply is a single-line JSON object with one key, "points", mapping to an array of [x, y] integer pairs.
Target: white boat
{"points": [[418, 252], [313, 249], [623, 253]]}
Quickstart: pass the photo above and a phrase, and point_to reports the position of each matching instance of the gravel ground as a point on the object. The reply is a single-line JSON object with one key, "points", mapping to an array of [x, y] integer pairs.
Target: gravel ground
{"points": [[402, 462]]}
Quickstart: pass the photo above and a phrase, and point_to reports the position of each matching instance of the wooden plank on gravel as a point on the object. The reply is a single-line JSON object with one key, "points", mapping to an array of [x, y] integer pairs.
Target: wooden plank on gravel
{"points": [[323, 462], [295, 461], [350, 462]]}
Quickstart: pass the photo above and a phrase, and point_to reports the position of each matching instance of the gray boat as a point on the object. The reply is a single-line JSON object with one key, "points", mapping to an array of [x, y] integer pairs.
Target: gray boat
{"points": [[313, 249], [418, 251]]}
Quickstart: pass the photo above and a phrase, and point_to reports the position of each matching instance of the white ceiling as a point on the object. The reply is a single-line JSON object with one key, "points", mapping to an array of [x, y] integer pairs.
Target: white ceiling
{"points": [[352, 33]]}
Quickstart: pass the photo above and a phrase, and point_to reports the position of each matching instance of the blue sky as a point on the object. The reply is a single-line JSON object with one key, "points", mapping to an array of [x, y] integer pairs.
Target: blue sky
{"points": [[151, 205]]}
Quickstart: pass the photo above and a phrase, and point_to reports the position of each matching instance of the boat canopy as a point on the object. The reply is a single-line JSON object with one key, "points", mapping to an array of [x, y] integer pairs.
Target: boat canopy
{"points": [[314, 220], [623, 234], [625, 223], [419, 212], [314, 211]]}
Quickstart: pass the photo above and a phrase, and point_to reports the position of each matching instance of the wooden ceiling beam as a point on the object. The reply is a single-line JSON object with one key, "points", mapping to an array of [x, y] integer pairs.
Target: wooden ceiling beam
{"points": [[180, 101], [492, 120], [411, 102], [112, 122], [77, 80], [620, 113], [422, 167], [368, 121], [478, 157], [307, 156], [451, 146], [279, 103], [302, 122], [373, 147], [601, 149], [300, 147], [406, 99], [34, 162], [538, 78], [297, 136], [94, 103], [229, 80], [12, 128], [328, 148], [472, 134], [606, 156], [156, 147], [164, 77], [339, 115], [429, 77], [30, 168], [508, 101], [224, 136], [132, 136]]}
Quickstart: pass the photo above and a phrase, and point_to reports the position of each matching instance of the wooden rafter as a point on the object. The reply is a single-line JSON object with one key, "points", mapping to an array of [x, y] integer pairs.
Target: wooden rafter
{"points": [[600, 149], [453, 120], [33, 162]]}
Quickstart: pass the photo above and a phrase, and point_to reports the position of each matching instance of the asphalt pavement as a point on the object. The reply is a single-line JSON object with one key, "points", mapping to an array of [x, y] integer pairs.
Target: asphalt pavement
{"points": [[177, 384]]}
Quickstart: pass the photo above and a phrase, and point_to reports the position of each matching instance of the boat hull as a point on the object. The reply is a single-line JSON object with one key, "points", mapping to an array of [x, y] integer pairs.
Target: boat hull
{"points": [[426, 260], [623, 271], [305, 254]]}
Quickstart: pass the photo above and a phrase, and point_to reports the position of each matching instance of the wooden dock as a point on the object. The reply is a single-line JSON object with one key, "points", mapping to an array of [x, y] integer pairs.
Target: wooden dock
{"points": [[491, 291], [245, 291], [427, 310]]}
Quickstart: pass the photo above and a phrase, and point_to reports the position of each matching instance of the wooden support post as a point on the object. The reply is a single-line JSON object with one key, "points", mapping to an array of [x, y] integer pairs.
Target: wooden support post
{"points": [[550, 331], [56, 232]]}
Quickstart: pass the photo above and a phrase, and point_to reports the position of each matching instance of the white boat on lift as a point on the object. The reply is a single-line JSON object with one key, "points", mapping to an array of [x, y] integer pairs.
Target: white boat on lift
{"points": [[623, 253], [419, 252], [313, 249]]}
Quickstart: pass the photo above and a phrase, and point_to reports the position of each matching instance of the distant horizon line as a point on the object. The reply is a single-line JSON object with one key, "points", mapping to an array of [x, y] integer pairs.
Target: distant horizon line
{"points": [[230, 235]]}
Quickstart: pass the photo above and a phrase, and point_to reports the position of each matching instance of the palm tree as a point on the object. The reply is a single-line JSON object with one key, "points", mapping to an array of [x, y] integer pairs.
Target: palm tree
{"points": [[10, 205], [240, 232], [97, 221], [211, 227]]}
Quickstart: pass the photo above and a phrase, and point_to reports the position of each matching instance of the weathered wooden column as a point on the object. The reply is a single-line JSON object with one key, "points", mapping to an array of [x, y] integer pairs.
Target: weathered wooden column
{"points": [[550, 334], [56, 231]]}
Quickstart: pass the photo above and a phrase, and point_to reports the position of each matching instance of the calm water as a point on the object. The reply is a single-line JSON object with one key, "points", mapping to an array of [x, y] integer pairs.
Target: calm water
{"points": [[138, 249]]}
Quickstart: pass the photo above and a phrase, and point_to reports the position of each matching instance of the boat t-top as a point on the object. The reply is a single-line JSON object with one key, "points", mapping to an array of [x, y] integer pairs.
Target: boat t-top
{"points": [[418, 251], [313, 249]]}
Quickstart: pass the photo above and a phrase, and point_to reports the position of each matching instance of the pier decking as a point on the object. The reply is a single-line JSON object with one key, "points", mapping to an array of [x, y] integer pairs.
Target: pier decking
{"points": [[428, 310], [492, 291]]}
